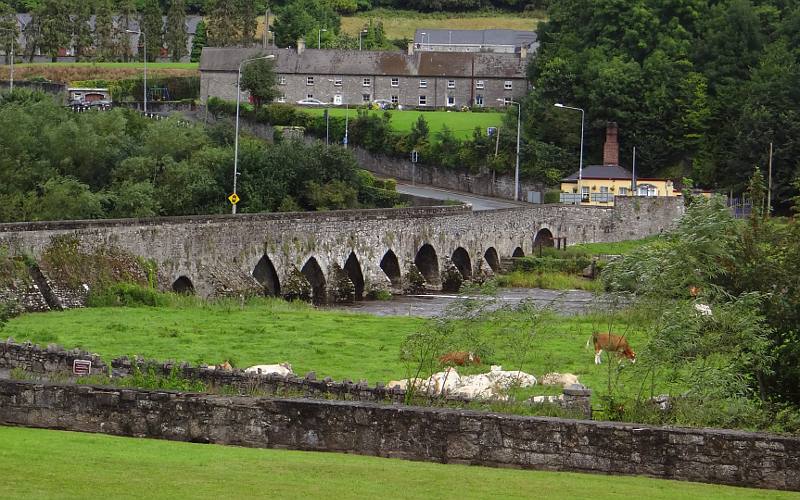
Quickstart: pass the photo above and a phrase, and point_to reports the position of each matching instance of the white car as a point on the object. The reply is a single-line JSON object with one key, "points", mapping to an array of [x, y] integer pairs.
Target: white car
{"points": [[309, 101]]}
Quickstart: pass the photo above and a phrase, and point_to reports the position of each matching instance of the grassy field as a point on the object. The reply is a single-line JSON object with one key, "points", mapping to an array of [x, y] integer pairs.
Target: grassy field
{"points": [[40, 463], [403, 24], [331, 343], [71, 72], [618, 248], [460, 123]]}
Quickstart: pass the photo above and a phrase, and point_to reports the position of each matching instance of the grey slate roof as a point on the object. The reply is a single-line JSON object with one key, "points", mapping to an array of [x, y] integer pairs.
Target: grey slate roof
{"points": [[515, 38], [602, 172], [350, 62]]}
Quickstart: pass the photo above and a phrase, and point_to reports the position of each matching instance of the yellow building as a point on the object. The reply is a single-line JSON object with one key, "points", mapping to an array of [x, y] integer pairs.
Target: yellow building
{"points": [[599, 184]]}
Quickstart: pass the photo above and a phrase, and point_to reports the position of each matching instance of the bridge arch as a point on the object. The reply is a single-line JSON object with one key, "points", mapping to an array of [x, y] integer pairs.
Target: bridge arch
{"points": [[462, 262], [265, 273], [427, 262], [353, 269], [492, 259], [183, 285], [518, 252], [391, 267], [543, 238], [316, 278]]}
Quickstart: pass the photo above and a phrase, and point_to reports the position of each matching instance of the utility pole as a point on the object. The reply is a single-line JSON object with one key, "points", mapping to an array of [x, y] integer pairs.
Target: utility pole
{"points": [[769, 182], [265, 38]]}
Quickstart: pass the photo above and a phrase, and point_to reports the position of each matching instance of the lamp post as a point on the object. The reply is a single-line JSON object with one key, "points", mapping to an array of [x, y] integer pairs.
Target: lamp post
{"points": [[236, 137], [580, 165], [144, 81], [11, 78], [519, 123], [319, 37], [360, 33]]}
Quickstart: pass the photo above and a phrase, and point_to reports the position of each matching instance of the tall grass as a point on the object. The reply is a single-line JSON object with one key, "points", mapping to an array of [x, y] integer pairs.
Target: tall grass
{"points": [[548, 280]]}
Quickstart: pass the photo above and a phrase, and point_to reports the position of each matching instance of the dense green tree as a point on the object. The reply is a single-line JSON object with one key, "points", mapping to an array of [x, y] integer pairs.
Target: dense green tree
{"points": [[198, 42], [221, 23], [248, 21], [9, 31], [126, 10], [152, 24], [104, 32], [82, 39], [175, 35], [53, 18], [303, 19], [258, 78]]}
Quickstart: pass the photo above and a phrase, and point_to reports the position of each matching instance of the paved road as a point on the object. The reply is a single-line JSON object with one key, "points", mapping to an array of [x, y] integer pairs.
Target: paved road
{"points": [[478, 202]]}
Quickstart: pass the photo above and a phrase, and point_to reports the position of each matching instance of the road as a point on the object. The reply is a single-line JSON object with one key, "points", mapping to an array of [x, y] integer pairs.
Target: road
{"points": [[478, 202]]}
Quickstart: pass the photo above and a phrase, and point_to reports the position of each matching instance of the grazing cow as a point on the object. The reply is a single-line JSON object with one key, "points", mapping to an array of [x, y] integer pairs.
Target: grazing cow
{"points": [[505, 379], [610, 343], [460, 358], [279, 369], [406, 383]]}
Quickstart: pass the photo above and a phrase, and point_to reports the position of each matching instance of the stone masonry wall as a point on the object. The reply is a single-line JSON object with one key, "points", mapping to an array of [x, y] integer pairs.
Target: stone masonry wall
{"points": [[437, 435]]}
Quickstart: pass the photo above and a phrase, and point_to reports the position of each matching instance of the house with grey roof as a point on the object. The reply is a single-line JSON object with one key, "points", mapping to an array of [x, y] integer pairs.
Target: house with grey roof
{"points": [[491, 40], [418, 79]]}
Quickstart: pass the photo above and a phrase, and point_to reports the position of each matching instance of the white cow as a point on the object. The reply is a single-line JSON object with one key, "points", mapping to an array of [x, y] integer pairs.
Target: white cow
{"points": [[442, 383], [475, 387], [506, 379], [282, 369], [406, 383], [562, 379]]}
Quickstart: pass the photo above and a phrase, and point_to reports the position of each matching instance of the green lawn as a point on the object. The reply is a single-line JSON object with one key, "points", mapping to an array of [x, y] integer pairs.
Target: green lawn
{"points": [[40, 463], [618, 248], [460, 123], [331, 343]]}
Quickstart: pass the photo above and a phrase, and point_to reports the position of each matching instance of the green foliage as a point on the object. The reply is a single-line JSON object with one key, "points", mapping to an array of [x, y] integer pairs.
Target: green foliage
{"points": [[303, 19], [152, 26], [175, 36], [126, 295], [198, 42], [258, 78]]}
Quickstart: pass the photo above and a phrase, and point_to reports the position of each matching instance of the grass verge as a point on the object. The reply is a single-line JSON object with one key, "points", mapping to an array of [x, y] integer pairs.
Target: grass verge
{"points": [[39, 463]]}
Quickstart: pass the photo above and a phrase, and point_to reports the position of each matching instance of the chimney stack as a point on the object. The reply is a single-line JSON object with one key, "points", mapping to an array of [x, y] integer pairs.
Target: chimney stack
{"points": [[301, 45], [611, 147]]}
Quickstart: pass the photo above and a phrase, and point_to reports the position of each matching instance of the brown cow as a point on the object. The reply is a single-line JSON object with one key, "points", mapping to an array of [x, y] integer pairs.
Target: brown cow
{"points": [[459, 358], [611, 343]]}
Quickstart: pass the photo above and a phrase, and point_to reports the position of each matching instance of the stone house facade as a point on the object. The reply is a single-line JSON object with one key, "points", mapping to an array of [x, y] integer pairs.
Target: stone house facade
{"points": [[409, 79]]}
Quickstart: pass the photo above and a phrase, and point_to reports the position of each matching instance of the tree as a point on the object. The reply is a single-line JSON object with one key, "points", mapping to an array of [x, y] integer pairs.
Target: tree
{"points": [[54, 26], [198, 42], [247, 22], [302, 19], [221, 28], [151, 24], [105, 40], [127, 13], [9, 31], [82, 38], [258, 78], [175, 36]]}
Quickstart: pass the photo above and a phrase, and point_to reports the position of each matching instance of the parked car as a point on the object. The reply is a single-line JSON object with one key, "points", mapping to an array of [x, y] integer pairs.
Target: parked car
{"points": [[383, 103], [309, 101]]}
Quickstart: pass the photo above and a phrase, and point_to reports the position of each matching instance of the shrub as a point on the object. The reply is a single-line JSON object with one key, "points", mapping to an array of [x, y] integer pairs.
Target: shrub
{"points": [[126, 295]]}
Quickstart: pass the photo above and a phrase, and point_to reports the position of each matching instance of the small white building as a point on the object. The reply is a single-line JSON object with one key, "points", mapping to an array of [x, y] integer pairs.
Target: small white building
{"points": [[88, 95]]}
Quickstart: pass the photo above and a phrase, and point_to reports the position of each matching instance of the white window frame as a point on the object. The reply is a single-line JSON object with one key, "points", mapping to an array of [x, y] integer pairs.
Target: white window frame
{"points": [[451, 100], [479, 100], [366, 98], [480, 84], [623, 191], [281, 98], [282, 80], [395, 82], [367, 82], [508, 85], [309, 80], [507, 101], [423, 84], [423, 100], [395, 99], [309, 96], [451, 84], [337, 81]]}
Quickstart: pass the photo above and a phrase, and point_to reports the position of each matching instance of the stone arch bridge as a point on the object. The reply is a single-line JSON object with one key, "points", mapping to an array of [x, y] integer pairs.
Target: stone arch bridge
{"points": [[225, 254]]}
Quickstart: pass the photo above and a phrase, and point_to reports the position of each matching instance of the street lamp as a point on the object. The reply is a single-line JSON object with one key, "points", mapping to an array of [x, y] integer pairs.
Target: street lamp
{"points": [[236, 138], [359, 37], [144, 45], [580, 165], [11, 37], [519, 122], [319, 37]]}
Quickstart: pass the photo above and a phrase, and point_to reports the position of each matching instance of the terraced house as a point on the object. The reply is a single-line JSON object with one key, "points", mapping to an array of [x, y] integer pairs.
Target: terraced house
{"points": [[417, 79]]}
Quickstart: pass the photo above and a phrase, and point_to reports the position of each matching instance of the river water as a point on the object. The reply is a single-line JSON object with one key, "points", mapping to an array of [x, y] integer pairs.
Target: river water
{"points": [[565, 302]]}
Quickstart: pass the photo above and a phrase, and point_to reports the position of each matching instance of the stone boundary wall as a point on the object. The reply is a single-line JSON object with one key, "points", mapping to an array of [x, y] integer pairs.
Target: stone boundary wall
{"points": [[55, 359], [436, 435]]}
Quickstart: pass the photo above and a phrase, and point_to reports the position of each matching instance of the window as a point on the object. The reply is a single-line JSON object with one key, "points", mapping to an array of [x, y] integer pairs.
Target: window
{"points": [[423, 100], [395, 100], [647, 190], [506, 101], [395, 82], [309, 80], [451, 100], [367, 82], [423, 84], [479, 84], [507, 85], [281, 98], [366, 97], [584, 194], [282, 80], [623, 191], [479, 100], [309, 96], [604, 189], [451, 84], [337, 81]]}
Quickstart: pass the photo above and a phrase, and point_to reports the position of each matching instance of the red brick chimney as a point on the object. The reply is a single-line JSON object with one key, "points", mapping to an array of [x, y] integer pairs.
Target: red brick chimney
{"points": [[611, 147]]}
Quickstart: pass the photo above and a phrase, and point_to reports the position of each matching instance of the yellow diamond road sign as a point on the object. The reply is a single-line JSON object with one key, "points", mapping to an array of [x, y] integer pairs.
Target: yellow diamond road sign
{"points": [[234, 198]]}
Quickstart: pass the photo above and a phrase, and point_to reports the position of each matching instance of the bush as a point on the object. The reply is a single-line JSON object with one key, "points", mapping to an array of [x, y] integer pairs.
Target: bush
{"points": [[570, 264], [126, 295]]}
